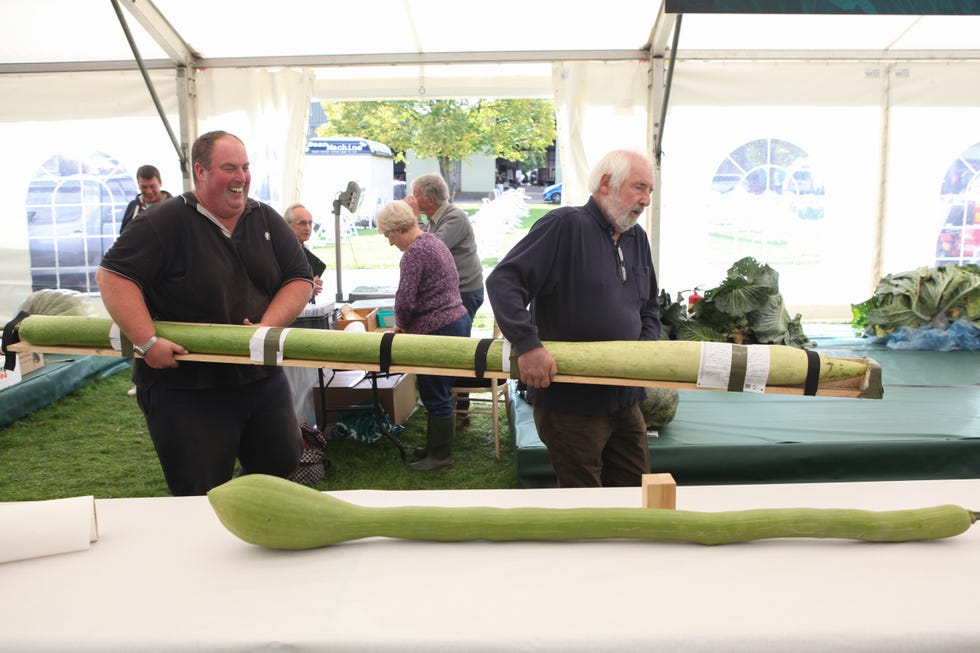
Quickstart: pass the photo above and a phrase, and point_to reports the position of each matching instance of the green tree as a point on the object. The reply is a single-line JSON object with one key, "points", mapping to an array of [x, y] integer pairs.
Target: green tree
{"points": [[449, 130]]}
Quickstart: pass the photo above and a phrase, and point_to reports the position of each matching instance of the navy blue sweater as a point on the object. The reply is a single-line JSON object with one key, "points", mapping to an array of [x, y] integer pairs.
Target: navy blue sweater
{"points": [[568, 270]]}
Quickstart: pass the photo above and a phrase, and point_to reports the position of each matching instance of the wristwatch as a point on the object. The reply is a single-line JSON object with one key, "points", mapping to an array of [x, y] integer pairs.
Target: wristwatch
{"points": [[145, 347]]}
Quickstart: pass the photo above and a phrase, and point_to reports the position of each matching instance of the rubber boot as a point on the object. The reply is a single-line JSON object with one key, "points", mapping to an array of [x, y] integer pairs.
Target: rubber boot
{"points": [[440, 431], [460, 421]]}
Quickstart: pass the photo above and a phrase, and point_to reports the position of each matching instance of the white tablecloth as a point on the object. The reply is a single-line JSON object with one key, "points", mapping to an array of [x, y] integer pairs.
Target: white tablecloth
{"points": [[166, 576]]}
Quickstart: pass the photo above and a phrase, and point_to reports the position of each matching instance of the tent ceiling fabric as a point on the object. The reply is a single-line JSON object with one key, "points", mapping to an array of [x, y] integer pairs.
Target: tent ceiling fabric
{"points": [[65, 35], [295, 32]]}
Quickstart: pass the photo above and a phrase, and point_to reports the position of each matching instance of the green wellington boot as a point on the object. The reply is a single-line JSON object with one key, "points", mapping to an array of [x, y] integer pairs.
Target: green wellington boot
{"points": [[440, 431]]}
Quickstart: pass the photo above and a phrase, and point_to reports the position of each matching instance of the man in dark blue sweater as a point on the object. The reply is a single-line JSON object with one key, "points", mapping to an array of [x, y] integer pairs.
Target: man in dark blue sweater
{"points": [[581, 274]]}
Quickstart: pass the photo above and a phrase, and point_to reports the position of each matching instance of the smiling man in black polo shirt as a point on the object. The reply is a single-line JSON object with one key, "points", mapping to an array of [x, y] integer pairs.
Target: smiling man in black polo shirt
{"points": [[210, 256]]}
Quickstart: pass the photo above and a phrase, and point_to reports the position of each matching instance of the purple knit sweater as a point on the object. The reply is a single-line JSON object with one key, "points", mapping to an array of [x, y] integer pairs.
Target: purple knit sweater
{"points": [[428, 290]]}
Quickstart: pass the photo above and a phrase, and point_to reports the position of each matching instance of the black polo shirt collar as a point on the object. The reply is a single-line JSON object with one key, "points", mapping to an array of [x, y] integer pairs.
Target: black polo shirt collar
{"points": [[191, 200]]}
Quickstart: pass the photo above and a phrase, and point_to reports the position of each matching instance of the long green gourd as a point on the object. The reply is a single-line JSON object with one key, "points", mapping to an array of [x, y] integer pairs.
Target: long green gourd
{"points": [[663, 360], [279, 514]]}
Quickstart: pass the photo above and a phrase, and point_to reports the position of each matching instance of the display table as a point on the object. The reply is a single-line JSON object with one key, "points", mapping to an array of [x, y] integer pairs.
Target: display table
{"points": [[166, 576], [926, 427]]}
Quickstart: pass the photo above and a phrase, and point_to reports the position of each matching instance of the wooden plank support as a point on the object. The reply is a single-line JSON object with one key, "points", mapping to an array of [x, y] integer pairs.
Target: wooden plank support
{"points": [[662, 364]]}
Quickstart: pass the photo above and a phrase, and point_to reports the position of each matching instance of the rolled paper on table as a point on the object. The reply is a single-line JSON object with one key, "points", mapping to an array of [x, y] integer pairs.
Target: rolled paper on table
{"points": [[31, 529]]}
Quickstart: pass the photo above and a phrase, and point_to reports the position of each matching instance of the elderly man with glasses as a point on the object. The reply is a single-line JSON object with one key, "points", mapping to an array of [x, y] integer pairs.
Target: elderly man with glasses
{"points": [[300, 219]]}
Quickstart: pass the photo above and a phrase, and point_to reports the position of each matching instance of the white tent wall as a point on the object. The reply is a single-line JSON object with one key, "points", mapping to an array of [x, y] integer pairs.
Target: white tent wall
{"points": [[269, 111], [599, 106], [45, 115], [835, 112], [935, 118], [377, 83]]}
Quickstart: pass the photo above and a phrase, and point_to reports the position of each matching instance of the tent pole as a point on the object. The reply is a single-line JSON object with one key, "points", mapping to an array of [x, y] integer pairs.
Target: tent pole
{"points": [[149, 85], [658, 153], [878, 255], [336, 247]]}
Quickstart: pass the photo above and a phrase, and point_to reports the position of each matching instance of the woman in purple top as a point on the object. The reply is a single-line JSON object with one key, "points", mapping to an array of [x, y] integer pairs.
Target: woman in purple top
{"points": [[427, 302]]}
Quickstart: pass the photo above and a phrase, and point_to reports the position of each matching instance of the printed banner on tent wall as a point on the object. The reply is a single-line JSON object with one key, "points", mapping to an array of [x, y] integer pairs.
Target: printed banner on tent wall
{"points": [[872, 7]]}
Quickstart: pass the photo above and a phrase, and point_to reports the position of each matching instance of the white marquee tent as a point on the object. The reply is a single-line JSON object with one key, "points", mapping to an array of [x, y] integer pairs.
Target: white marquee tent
{"points": [[836, 148]]}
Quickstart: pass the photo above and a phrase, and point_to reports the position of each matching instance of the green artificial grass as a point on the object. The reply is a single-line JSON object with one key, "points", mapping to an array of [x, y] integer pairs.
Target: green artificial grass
{"points": [[94, 442]]}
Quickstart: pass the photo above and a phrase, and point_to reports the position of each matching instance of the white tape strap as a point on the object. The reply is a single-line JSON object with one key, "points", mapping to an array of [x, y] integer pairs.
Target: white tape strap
{"points": [[266, 345], [115, 337], [505, 357]]}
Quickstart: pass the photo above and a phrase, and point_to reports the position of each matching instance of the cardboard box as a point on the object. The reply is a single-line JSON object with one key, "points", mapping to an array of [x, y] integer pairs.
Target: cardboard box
{"points": [[29, 361], [396, 393], [9, 377], [369, 317]]}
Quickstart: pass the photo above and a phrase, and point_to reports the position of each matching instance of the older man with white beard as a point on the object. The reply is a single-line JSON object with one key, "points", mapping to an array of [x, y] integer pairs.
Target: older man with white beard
{"points": [[585, 273]]}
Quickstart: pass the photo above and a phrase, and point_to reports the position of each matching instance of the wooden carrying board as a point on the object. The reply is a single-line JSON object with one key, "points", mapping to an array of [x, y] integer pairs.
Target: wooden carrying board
{"points": [[867, 386], [664, 364]]}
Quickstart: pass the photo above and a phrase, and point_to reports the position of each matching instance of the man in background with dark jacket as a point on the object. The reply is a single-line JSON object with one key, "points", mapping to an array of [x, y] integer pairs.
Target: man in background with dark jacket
{"points": [[148, 179]]}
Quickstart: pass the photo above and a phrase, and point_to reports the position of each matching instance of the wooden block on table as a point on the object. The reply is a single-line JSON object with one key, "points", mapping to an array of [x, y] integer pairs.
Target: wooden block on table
{"points": [[659, 491]]}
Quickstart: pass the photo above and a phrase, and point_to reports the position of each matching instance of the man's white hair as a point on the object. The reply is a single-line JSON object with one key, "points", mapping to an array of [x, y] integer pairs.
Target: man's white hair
{"points": [[617, 165]]}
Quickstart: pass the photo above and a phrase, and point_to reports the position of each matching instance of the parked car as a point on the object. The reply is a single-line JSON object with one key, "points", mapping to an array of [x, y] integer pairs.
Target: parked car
{"points": [[552, 194]]}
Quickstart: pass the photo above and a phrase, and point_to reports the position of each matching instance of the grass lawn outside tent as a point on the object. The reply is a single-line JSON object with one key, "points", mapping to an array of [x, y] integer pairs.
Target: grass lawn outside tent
{"points": [[94, 441]]}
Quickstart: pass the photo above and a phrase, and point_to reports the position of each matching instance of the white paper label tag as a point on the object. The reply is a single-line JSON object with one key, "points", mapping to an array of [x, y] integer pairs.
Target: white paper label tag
{"points": [[715, 366], [756, 369]]}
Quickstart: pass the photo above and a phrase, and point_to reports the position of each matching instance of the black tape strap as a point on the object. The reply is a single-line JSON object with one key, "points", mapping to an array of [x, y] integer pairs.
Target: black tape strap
{"points": [[10, 336], [126, 346], [384, 355], [740, 361], [270, 346], [480, 357], [812, 373]]}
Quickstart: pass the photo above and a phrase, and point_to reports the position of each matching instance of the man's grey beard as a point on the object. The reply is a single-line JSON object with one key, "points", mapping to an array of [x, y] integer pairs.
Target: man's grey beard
{"points": [[624, 222], [619, 215]]}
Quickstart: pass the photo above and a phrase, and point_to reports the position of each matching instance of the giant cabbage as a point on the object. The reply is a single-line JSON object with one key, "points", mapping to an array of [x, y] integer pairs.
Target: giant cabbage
{"points": [[932, 297]]}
